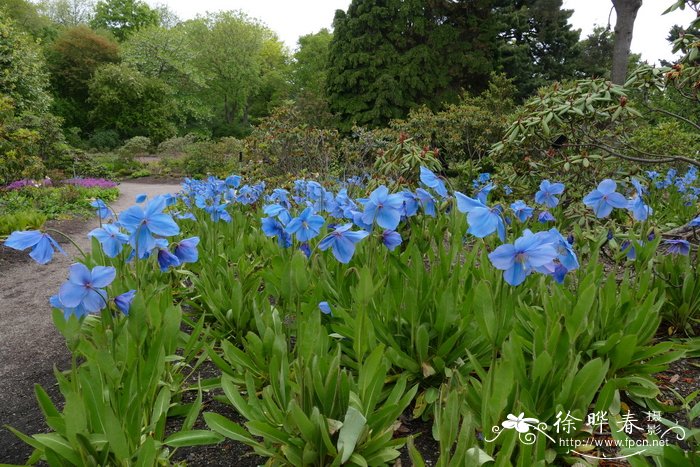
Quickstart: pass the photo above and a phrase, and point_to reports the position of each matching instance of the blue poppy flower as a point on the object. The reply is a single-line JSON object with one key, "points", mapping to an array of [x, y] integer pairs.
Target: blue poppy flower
{"points": [[545, 216], [520, 259], [325, 308], [383, 208], [677, 247], [603, 199], [629, 250], [507, 190], [521, 210], [342, 242], [85, 287], [427, 202], [547, 193], [42, 244], [123, 301], [391, 239], [102, 209], [186, 250], [166, 259], [483, 220], [141, 198], [483, 194], [639, 209], [305, 248], [145, 223], [429, 179], [111, 239], [306, 226], [79, 311], [233, 181]]}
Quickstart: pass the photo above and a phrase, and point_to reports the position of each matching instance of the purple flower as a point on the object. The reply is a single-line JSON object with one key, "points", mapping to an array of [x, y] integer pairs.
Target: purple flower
{"points": [[42, 244], [123, 301], [603, 199], [186, 250], [391, 239], [677, 247], [90, 182]]}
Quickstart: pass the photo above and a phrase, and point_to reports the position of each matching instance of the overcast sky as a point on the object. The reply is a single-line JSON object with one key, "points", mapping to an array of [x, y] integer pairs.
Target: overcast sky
{"points": [[291, 19]]}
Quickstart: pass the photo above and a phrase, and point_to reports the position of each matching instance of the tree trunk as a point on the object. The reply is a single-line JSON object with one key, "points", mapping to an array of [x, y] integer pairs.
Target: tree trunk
{"points": [[626, 11]]}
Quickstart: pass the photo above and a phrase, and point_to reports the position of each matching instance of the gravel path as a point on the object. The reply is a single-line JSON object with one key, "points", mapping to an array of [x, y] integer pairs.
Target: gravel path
{"points": [[30, 346]]}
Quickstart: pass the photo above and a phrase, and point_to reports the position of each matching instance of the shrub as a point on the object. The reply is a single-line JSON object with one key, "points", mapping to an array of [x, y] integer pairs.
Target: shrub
{"points": [[104, 140], [136, 146], [176, 145]]}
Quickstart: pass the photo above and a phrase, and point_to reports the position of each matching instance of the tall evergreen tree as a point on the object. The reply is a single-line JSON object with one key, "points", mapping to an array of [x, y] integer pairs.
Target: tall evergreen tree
{"points": [[388, 56], [536, 42]]}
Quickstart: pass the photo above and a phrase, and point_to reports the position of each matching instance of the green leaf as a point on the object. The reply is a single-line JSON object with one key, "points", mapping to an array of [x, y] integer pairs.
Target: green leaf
{"points": [[193, 438], [353, 426], [229, 429]]}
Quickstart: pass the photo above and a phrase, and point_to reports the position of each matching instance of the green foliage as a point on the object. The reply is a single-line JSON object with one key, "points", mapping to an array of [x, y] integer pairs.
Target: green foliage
{"points": [[403, 160], [72, 59], [132, 104], [382, 58], [24, 79], [54, 202], [123, 17], [136, 146], [23, 220]]}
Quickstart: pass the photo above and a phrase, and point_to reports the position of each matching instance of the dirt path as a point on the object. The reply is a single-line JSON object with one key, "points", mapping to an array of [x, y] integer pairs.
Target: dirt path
{"points": [[30, 346]]}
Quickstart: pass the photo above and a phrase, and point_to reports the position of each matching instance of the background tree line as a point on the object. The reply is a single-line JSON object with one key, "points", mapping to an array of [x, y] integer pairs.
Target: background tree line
{"points": [[94, 74]]}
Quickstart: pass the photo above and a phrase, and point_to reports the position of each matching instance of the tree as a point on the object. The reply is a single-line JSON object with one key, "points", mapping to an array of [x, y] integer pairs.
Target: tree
{"points": [[124, 100], [68, 13], [26, 17], [536, 43], [123, 17], [23, 78], [626, 11], [230, 63], [309, 69], [167, 54], [72, 60], [383, 57]]}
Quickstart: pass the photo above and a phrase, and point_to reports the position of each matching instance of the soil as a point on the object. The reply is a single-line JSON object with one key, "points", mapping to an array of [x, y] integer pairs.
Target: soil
{"points": [[30, 345]]}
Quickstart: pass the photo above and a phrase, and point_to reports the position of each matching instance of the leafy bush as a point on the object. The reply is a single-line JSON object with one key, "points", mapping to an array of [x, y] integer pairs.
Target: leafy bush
{"points": [[136, 146], [104, 140], [24, 220]]}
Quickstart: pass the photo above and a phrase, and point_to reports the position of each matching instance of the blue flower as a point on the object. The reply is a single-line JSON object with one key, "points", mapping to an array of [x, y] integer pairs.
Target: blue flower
{"points": [[483, 194], [518, 260], [145, 223], [545, 216], [86, 288], [102, 209], [111, 238], [233, 181], [566, 256], [383, 208], [628, 248], [391, 239], [521, 210], [483, 221], [42, 244], [410, 203], [547, 193], [431, 180], [427, 202], [79, 311], [325, 308], [603, 199], [123, 301], [306, 226], [653, 175], [677, 247], [694, 223], [141, 198], [186, 250], [342, 242], [166, 260], [640, 210], [507, 190], [272, 227]]}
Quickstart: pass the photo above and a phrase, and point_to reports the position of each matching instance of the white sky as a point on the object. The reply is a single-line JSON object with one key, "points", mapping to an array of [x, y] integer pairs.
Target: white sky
{"points": [[294, 18]]}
